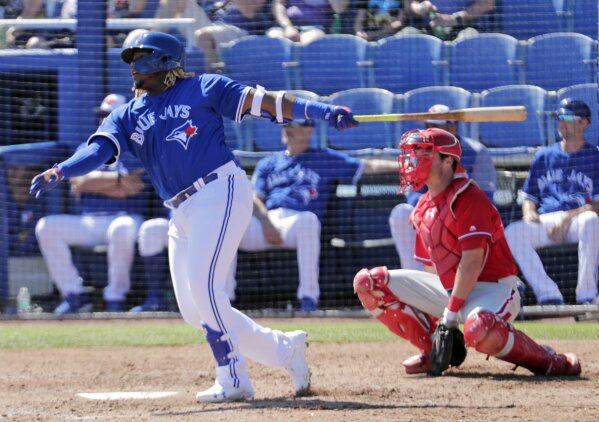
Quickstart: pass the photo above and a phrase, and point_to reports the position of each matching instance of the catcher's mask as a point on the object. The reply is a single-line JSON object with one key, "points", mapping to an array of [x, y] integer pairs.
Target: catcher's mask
{"points": [[165, 52], [416, 151]]}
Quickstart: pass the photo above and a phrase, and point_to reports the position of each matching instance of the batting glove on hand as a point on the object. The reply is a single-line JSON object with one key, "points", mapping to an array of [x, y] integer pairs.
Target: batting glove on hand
{"points": [[341, 118], [45, 181]]}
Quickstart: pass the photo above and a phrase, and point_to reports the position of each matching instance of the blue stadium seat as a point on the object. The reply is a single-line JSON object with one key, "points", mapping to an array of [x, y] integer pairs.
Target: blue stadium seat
{"points": [[367, 135], [584, 18], [561, 59], [266, 136], [405, 62], [526, 19], [332, 63], [259, 60], [530, 133], [588, 94], [484, 61], [235, 134], [421, 99]]}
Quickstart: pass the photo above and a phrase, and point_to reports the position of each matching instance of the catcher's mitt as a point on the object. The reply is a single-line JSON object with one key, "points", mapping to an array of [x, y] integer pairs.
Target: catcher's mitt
{"points": [[448, 349]]}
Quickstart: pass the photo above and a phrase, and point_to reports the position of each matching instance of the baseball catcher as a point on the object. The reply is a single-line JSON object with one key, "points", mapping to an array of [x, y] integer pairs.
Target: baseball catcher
{"points": [[469, 277]]}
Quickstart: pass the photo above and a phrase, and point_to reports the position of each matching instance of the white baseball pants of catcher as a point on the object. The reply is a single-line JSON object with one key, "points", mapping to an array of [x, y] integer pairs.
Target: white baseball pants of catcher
{"points": [[57, 233], [424, 291], [404, 236], [299, 230], [523, 238], [204, 233]]}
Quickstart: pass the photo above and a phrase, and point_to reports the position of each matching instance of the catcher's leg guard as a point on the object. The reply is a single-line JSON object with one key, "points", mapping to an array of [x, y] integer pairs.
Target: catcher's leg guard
{"points": [[493, 336], [403, 320]]}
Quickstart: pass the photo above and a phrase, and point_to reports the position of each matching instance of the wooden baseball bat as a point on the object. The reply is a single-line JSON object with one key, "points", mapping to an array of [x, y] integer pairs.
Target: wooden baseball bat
{"points": [[475, 114]]}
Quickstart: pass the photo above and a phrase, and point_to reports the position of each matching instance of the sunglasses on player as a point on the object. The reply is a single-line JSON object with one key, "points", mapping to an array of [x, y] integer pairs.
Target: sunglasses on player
{"points": [[568, 118]]}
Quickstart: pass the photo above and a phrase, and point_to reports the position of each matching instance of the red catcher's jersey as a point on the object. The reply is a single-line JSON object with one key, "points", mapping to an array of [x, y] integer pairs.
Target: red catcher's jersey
{"points": [[472, 220]]}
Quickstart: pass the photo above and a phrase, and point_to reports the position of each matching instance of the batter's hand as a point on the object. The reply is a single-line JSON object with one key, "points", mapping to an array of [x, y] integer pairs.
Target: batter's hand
{"points": [[341, 118], [45, 181]]}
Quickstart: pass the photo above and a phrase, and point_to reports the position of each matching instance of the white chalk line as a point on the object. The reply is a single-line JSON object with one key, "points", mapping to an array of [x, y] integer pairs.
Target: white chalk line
{"points": [[127, 395]]}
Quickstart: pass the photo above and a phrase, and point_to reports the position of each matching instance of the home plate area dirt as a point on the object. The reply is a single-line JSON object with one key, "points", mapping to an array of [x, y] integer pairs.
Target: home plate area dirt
{"points": [[350, 382]]}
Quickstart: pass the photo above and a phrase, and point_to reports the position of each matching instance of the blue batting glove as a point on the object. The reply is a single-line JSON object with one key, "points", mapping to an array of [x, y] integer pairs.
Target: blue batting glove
{"points": [[342, 118], [45, 181]]}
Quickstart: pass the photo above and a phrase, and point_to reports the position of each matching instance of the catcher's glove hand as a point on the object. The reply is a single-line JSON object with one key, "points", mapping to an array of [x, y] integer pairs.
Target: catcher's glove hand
{"points": [[448, 349]]}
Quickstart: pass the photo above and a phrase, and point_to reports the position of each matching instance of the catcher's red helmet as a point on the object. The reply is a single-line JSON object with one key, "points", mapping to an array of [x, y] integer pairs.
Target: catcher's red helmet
{"points": [[416, 149]]}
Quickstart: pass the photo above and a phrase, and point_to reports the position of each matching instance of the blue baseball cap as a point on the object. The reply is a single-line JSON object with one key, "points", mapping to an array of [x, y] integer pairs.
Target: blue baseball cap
{"points": [[570, 107]]}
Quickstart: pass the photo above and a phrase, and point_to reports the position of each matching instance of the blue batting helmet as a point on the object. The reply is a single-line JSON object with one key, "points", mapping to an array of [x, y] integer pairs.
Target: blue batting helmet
{"points": [[571, 107], [166, 52]]}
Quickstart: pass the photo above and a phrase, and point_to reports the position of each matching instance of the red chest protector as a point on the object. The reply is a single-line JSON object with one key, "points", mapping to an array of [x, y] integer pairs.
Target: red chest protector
{"points": [[436, 224]]}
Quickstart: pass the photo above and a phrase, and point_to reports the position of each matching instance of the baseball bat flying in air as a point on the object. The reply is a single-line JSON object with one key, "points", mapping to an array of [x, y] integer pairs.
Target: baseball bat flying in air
{"points": [[475, 114]]}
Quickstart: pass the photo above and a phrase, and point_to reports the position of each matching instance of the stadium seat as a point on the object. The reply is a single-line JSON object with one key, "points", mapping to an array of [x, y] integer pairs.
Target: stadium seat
{"points": [[367, 135], [588, 94], [560, 59], [332, 63], [421, 99], [584, 18], [484, 61], [259, 60], [526, 19], [265, 136], [501, 136], [405, 62]]}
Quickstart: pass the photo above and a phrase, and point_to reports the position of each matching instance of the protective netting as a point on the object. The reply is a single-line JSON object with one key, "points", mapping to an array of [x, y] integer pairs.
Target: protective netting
{"points": [[59, 61]]}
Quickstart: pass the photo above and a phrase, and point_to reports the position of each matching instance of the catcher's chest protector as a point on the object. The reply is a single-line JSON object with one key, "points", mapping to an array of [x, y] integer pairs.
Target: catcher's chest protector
{"points": [[436, 224]]}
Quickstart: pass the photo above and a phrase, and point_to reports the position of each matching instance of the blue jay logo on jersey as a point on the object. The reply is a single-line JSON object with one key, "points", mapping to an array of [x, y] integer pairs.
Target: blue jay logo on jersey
{"points": [[183, 133]]}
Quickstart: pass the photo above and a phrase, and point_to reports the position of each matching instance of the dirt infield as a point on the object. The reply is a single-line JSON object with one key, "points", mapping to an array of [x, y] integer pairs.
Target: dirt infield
{"points": [[350, 382]]}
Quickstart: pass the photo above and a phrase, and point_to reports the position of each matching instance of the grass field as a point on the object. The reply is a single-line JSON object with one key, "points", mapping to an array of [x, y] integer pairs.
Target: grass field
{"points": [[31, 335]]}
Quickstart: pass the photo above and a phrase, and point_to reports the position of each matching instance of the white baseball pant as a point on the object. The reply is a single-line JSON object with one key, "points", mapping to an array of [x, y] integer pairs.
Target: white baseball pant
{"points": [[153, 237], [523, 238], [404, 236], [204, 234], [424, 291], [299, 230], [57, 233]]}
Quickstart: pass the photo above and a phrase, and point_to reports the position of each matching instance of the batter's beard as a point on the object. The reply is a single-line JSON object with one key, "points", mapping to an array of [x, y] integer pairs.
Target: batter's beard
{"points": [[139, 84]]}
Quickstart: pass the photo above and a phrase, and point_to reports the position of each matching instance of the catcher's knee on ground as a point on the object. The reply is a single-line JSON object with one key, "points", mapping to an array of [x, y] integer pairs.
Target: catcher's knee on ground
{"points": [[407, 322]]}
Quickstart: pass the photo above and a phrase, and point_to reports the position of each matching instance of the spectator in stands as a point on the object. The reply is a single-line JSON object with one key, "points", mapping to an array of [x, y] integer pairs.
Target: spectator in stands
{"points": [[122, 9], [169, 9], [478, 164], [291, 192], [111, 201], [42, 38], [561, 200], [23, 211], [452, 19], [304, 21], [152, 241], [376, 19], [232, 20]]}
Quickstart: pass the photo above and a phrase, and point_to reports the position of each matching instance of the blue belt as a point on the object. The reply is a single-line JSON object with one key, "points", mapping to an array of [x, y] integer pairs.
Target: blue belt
{"points": [[182, 196]]}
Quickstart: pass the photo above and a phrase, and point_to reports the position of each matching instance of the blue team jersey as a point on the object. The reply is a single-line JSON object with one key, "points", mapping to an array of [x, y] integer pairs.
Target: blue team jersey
{"points": [[303, 182], [560, 181], [178, 135]]}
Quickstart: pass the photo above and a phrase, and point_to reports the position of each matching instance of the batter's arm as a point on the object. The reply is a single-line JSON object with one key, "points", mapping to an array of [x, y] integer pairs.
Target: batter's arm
{"points": [[283, 107]]}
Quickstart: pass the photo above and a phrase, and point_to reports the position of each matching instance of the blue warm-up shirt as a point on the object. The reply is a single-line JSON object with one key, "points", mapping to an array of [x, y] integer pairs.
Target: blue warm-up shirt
{"points": [[561, 181], [303, 182]]}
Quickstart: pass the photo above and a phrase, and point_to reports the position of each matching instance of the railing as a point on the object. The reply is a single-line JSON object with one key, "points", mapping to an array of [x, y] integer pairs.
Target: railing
{"points": [[112, 23]]}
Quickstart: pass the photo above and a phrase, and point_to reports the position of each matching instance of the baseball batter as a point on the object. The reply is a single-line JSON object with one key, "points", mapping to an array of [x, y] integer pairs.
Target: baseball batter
{"points": [[469, 276], [175, 127], [561, 201]]}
